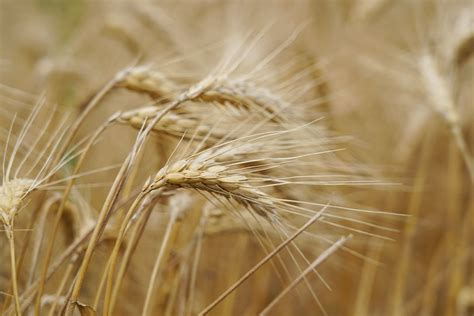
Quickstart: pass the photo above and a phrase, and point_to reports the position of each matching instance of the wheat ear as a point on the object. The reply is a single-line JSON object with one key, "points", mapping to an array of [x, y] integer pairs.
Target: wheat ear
{"points": [[214, 89], [442, 101]]}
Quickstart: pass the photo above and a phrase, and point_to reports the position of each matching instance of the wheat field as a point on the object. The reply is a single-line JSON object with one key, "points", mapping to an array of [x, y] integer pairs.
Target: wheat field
{"points": [[237, 157]]}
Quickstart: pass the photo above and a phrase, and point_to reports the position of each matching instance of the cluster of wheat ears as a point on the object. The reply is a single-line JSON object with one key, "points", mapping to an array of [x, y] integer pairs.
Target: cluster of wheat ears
{"points": [[195, 159]]}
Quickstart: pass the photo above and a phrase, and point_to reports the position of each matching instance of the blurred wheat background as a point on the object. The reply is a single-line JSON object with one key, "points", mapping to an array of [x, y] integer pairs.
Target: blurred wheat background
{"points": [[229, 125]]}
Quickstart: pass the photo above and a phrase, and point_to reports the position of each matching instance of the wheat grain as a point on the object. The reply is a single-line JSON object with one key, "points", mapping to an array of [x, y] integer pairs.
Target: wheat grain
{"points": [[216, 180], [176, 123], [142, 79]]}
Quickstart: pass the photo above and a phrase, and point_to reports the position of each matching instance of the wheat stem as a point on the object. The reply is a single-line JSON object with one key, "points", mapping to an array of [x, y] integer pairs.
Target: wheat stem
{"points": [[195, 266], [62, 285], [14, 277], [29, 294], [453, 217], [115, 251], [58, 216], [147, 189], [103, 217], [161, 257], [467, 157], [410, 227], [101, 286], [137, 232], [126, 193]]}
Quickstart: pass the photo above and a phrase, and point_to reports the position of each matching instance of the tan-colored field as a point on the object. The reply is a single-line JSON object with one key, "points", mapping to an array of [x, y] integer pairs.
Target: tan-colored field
{"points": [[237, 157]]}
